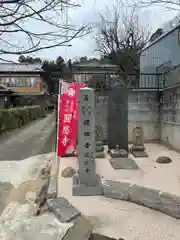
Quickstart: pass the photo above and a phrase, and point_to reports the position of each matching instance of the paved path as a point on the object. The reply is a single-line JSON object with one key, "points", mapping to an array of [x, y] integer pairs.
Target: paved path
{"points": [[118, 218], [29, 141]]}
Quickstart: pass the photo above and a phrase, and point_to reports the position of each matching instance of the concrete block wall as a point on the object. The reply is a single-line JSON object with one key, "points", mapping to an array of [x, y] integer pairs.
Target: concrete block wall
{"points": [[143, 110], [160, 118], [170, 117]]}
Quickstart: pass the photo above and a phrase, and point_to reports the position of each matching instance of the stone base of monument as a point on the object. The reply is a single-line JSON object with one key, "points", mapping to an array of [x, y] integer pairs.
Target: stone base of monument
{"points": [[99, 150], [138, 151], [99, 143], [83, 190], [123, 163], [120, 153], [100, 154]]}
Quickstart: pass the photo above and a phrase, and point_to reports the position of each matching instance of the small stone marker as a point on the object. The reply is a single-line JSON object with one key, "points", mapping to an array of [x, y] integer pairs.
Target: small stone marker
{"points": [[138, 148], [62, 209], [87, 182]]}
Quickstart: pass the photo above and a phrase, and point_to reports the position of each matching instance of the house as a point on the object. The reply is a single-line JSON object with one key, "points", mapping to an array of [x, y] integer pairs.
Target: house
{"points": [[83, 72], [160, 57], [20, 81]]}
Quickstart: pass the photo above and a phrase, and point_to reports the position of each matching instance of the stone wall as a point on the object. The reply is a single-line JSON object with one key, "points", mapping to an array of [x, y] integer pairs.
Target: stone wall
{"points": [[143, 110]]}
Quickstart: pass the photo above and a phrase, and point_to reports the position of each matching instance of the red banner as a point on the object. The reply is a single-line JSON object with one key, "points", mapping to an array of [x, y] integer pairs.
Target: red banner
{"points": [[68, 119]]}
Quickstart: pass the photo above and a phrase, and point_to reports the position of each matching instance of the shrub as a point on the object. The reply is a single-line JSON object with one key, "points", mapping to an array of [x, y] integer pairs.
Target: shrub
{"points": [[16, 117]]}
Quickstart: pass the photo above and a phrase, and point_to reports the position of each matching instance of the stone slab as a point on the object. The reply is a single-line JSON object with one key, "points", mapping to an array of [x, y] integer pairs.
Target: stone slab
{"points": [[82, 190], [139, 154], [62, 209], [96, 236], [123, 163], [100, 154], [116, 190], [145, 196], [170, 204], [81, 230]]}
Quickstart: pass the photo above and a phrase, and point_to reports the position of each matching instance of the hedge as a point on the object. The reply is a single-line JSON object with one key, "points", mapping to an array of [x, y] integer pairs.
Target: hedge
{"points": [[17, 117]]}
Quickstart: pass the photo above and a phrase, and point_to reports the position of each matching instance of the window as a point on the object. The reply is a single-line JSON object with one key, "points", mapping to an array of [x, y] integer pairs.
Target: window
{"points": [[32, 82], [23, 81]]}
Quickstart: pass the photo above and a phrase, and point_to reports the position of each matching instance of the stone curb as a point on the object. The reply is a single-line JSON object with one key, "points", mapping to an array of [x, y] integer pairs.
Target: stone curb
{"points": [[52, 191], [151, 198]]}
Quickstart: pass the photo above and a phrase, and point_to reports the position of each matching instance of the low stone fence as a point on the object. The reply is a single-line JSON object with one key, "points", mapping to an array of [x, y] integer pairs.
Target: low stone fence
{"points": [[152, 198]]}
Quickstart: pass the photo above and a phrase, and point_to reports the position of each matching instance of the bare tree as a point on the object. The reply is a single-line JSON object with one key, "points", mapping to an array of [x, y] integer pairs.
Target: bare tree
{"points": [[121, 38], [28, 26], [169, 4]]}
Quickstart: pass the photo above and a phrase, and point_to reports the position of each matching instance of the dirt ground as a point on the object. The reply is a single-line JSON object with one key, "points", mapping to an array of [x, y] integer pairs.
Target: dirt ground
{"points": [[117, 218]]}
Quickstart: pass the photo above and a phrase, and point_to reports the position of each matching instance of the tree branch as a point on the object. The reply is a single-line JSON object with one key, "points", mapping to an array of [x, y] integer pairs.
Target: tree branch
{"points": [[18, 21]]}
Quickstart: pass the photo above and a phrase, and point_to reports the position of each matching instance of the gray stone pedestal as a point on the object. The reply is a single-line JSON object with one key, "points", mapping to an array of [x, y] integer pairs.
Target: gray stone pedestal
{"points": [[87, 182], [138, 149], [118, 153], [80, 189]]}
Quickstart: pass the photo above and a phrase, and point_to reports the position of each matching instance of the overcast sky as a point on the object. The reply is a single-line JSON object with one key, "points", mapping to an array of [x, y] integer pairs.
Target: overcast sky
{"points": [[152, 18]]}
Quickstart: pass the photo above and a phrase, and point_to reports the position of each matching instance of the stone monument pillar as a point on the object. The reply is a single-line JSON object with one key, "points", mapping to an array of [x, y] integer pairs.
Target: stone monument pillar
{"points": [[118, 115], [87, 182]]}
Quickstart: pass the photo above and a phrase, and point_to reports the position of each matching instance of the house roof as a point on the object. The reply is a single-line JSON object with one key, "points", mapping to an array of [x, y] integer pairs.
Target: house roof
{"points": [[20, 67], [161, 37], [94, 65]]}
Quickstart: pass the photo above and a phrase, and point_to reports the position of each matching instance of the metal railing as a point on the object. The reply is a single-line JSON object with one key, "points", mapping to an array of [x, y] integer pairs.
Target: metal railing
{"points": [[101, 81]]}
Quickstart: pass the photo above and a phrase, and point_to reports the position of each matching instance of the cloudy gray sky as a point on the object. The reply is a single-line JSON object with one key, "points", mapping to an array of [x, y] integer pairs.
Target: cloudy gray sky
{"points": [[151, 18]]}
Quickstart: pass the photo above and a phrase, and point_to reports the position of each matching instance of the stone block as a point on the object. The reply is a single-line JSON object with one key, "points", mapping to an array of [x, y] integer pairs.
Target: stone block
{"points": [[81, 230], [100, 154], [170, 204], [85, 190], [123, 163], [62, 209], [99, 148], [145, 196], [99, 143], [96, 236], [118, 153], [139, 154], [117, 190], [152, 198]]}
